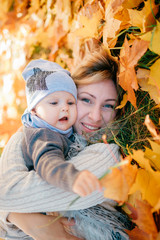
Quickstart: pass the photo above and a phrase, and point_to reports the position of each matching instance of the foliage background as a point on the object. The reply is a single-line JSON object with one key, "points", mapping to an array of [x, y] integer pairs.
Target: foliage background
{"points": [[63, 31]]}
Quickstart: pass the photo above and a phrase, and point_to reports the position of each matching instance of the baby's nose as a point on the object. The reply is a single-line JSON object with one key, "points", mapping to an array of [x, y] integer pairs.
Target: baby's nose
{"points": [[65, 107]]}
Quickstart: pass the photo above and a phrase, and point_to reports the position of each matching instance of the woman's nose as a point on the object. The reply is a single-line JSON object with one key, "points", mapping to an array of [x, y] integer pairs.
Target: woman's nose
{"points": [[95, 114]]}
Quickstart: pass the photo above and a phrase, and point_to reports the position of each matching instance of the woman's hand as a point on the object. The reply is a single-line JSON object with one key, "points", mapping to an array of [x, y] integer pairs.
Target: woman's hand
{"points": [[86, 183], [42, 227]]}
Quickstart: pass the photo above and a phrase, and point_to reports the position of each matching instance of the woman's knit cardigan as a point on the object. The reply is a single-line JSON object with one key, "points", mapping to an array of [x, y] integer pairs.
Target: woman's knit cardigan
{"points": [[24, 191]]}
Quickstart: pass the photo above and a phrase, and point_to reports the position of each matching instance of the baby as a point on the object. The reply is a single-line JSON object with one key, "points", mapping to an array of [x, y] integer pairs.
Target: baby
{"points": [[51, 112]]}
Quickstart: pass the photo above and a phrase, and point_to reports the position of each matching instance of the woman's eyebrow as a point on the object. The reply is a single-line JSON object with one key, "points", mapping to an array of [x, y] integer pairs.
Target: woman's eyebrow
{"points": [[87, 94], [106, 100], [110, 99]]}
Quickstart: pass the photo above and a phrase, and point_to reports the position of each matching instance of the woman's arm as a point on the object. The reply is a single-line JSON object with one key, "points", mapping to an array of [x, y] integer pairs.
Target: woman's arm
{"points": [[24, 191], [41, 227]]}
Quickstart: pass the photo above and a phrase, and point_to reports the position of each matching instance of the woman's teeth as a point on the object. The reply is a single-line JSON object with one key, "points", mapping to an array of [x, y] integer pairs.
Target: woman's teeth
{"points": [[90, 127]]}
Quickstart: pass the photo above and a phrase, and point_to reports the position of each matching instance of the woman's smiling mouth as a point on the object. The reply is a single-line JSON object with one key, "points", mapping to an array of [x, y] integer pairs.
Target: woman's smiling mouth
{"points": [[89, 127]]}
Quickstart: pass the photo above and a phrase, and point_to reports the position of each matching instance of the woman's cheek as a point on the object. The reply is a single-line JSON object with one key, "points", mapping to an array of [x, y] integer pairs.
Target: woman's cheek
{"points": [[80, 110], [109, 116], [80, 117]]}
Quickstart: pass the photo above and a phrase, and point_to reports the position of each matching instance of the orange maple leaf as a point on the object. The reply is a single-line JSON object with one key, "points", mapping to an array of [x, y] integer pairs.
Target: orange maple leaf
{"points": [[118, 182], [144, 220], [152, 128], [138, 234], [128, 59]]}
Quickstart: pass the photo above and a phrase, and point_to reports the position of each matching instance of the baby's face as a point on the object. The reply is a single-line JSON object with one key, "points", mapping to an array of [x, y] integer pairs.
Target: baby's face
{"points": [[58, 109]]}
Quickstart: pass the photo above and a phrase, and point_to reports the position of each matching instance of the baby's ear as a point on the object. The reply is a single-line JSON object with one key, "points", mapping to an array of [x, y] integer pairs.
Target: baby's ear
{"points": [[33, 111]]}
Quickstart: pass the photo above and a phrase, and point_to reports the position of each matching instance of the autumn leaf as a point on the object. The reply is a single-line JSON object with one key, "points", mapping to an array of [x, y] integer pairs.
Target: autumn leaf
{"points": [[89, 20], [144, 221], [153, 37], [147, 180], [34, 6], [5, 5], [123, 102], [157, 207], [21, 6], [128, 59], [118, 182], [138, 234], [76, 6], [154, 74], [63, 13], [152, 129], [116, 20], [143, 80], [144, 19], [111, 25], [131, 4], [153, 156]]}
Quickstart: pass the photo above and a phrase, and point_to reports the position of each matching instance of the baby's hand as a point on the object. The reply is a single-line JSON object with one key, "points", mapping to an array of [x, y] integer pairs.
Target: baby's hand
{"points": [[86, 183]]}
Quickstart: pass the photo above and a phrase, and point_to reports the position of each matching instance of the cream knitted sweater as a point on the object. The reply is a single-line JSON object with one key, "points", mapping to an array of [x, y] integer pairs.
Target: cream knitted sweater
{"points": [[24, 191]]}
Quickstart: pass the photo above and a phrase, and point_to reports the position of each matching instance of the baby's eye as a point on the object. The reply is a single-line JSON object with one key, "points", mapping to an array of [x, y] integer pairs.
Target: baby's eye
{"points": [[53, 103], [86, 100], [71, 103]]}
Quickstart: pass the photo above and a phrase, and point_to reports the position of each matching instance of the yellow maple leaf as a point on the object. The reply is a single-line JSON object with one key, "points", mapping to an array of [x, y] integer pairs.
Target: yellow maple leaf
{"points": [[123, 16], [144, 19], [157, 206], [34, 6], [111, 25], [5, 5], [76, 5], [154, 74], [131, 4], [118, 182], [128, 59], [147, 180], [123, 102], [143, 79], [86, 24], [154, 38], [153, 157], [116, 19], [90, 25]]}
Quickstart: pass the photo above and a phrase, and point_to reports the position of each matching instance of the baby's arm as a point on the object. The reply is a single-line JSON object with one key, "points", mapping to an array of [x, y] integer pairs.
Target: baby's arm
{"points": [[48, 149], [86, 183], [25, 191]]}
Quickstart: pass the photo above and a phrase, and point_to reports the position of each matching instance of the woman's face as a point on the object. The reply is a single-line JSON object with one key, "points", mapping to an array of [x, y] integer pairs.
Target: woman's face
{"points": [[95, 106]]}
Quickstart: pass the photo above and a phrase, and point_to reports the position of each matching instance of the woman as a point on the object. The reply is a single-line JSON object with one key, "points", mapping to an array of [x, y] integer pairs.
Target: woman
{"points": [[26, 192]]}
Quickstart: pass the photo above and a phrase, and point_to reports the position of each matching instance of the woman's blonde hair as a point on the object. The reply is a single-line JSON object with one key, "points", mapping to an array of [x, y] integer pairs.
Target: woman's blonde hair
{"points": [[96, 66]]}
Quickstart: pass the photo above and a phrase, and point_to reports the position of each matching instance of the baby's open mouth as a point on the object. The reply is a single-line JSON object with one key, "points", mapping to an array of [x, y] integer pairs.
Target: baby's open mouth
{"points": [[63, 119]]}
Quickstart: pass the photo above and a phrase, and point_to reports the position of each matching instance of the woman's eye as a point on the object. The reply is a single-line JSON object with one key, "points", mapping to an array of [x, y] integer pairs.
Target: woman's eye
{"points": [[86, 100], [108, 106]]}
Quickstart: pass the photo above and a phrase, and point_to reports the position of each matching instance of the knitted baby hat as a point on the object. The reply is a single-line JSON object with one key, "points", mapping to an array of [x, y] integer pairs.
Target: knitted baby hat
{"points": [[44, 77]]}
